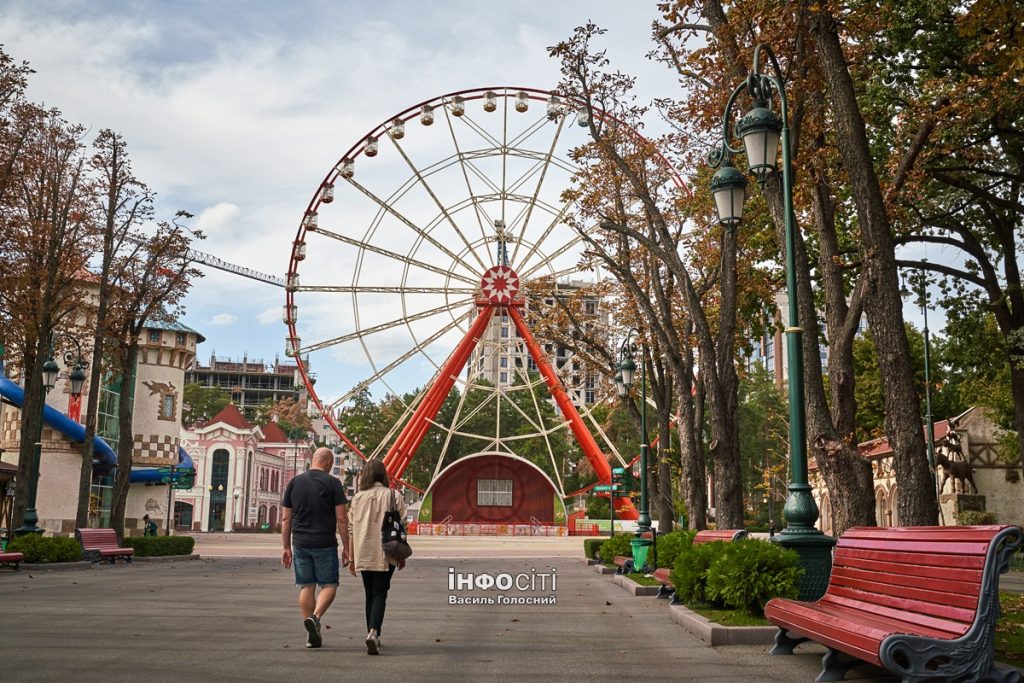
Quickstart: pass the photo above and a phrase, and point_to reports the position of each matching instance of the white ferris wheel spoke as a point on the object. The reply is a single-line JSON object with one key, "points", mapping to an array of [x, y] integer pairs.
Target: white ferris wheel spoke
{"points": [[362, 244], [547, 232], [552, 256], [540, 183], [391, 324], [393, 364], [372, 289], [465, 176], [440, 206], [412, 226]]}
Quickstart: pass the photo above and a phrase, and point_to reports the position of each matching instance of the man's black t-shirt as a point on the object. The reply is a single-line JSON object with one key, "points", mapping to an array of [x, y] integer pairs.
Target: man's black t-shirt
{"points": [[313, 496]]}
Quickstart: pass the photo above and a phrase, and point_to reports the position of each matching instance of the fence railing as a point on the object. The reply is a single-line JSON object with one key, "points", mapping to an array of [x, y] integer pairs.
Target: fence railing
{"points": [[474, 529]]}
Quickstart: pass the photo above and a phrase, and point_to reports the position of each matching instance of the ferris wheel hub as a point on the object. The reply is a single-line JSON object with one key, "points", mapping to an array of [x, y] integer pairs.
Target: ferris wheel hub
{"points": [[500, 284]]}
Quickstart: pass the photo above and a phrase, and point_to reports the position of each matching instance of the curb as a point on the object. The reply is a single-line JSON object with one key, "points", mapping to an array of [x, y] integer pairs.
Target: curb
{"points": [[632, 587], [166, 558], [54, 566], [601, 569], [715, 634]]}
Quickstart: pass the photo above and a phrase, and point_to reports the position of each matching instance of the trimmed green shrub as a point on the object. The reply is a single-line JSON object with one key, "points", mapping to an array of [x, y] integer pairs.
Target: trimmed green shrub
{"points": [[160, 546], [690, 572], [592, 546], [972, 517], [45, 549], [671, 544], [749, 573], [616, 545]]}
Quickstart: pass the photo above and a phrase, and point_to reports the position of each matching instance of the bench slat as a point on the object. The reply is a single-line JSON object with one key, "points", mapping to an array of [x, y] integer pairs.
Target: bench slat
{"points": [[925, 533], [950, 619], [893, 564], [927, 547], [908, 558], [951, 593]]}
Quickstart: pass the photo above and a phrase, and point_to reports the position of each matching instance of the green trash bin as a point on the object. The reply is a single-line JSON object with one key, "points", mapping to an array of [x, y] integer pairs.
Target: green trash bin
{"points": [[265, 526]]}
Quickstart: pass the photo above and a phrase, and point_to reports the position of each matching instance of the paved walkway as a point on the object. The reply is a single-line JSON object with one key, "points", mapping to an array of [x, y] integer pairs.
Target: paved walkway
{"points": [[235, 619]]}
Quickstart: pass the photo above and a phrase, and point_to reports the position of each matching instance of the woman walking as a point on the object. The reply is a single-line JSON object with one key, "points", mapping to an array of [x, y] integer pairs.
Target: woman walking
{"points": [[366, 517]]}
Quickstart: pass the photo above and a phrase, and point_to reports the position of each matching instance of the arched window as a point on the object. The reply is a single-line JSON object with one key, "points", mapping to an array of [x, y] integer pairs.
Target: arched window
{"points": [[273, 515], [825, 518], [262, 514], [894, 507], [277, 480], [218, 490], [881, 508]]}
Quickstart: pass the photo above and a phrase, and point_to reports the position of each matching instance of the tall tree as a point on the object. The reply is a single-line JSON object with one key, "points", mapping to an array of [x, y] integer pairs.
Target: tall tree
{"points": [[884, 307], [46, 240], [155, 279], [124, 204]]}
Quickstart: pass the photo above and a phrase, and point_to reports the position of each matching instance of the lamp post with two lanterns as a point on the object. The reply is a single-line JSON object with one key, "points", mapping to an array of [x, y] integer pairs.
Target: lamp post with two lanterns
{"points": [[623, 382], [761, 131], [50, 371]]}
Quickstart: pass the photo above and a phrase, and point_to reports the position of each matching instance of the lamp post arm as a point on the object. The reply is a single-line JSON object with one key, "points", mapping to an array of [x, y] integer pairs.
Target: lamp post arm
{"points": [[724, 154]]}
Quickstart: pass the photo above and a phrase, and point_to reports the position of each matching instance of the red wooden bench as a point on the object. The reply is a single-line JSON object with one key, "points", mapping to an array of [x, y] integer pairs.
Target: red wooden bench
{"points": [[101, 544], [922, 602], [624, 564], [724, 535], [668, 589], [11, 558]]}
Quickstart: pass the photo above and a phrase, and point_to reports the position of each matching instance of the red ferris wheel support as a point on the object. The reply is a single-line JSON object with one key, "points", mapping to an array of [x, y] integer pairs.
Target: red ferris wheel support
{"points": [[500, 285]]}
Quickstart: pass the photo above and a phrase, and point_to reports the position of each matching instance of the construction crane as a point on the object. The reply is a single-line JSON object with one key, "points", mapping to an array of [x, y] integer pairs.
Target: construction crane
{"points": [[220, 264]]}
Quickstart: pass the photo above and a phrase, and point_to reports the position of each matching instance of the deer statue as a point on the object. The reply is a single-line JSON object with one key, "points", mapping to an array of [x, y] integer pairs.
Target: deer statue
{"points": [[960, 470]]}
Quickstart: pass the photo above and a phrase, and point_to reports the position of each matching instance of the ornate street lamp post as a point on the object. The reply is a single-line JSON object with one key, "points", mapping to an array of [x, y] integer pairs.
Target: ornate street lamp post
{"points": [[761, 130], [50, 371], [623, 382]]}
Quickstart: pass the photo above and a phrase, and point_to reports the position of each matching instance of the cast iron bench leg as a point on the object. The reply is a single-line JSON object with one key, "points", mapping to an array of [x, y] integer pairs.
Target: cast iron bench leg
{"points": [[833, 668], [664, 592], [784, 643]]}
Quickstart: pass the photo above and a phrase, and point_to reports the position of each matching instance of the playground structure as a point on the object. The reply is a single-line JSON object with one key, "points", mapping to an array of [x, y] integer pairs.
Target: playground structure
{"points": [[104, 458], [443, 254]]}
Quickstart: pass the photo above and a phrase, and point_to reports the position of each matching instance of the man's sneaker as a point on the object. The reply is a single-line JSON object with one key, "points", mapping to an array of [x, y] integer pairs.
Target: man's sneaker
{"points": [[313, 638], [372, 642]]}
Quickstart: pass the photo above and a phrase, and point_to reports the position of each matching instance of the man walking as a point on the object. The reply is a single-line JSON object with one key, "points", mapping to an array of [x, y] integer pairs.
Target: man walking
{"points": [[313, 509]]}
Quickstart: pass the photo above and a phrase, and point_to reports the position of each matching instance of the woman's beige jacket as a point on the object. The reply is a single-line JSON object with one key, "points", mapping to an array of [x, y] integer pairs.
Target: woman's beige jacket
{"points": [[365, 518]]}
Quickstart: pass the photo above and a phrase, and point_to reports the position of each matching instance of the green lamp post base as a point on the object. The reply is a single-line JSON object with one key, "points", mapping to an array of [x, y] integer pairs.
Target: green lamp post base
{"points": [[29, 524], [813, 547]]}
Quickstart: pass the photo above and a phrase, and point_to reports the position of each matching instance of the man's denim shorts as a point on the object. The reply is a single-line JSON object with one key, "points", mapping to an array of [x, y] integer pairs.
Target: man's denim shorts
{"points": [[315, 566]]}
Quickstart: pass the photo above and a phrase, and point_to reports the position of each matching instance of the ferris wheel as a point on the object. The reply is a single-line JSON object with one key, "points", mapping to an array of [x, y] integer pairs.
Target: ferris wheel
{"points": [[414, 261]]}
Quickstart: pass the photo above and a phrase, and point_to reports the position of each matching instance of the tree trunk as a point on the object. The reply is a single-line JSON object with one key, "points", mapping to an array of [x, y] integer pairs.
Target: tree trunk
{"points": [[91, 414], [884, 307], [1017, 388], [126, 442]]}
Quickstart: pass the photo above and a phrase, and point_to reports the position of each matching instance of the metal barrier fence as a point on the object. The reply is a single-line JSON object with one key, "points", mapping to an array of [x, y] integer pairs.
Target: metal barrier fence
{"points": [[472, 529]]}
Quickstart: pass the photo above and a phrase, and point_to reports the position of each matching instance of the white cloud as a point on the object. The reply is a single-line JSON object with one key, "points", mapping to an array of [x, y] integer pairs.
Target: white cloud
{"points": [[269, 316], [223, 319]]}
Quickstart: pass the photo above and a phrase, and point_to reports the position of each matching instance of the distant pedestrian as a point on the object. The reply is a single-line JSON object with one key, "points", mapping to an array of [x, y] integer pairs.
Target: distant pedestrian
{"points": [[771, 528], [148, 526], [313, 508], [368, 508]]}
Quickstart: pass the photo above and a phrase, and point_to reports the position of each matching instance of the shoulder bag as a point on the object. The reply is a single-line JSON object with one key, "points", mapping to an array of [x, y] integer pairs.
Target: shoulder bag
{"points": [[393, 535]]}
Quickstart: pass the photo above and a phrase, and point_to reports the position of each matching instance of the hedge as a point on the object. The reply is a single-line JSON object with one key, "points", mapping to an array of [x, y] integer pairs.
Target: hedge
{"points": [[616, 545], [46, 549], [670, 545], [749, 573], [591, 546], [159, 546]]}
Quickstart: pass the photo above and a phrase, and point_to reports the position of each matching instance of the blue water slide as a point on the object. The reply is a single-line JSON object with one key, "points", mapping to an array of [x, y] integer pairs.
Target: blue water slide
{"points": [[104, 458], [103, 455]]}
